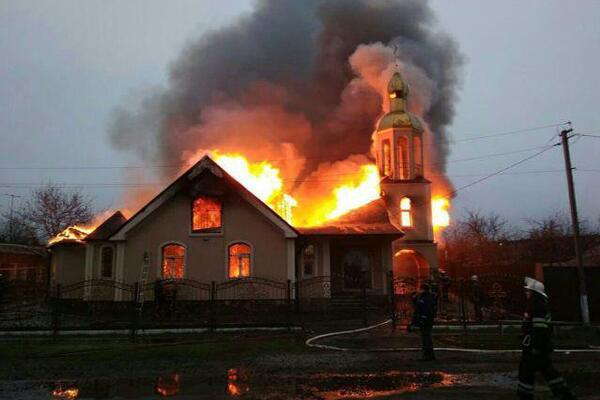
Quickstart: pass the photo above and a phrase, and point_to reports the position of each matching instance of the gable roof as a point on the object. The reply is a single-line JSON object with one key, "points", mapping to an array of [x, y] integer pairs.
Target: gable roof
{"points": [[107, 228], [370, 219], [205, 164]]}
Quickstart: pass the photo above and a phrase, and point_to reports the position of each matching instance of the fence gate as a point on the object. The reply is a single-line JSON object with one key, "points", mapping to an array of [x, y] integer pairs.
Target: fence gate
{"points": [[174, 302], [91, 304], [253, 301]]}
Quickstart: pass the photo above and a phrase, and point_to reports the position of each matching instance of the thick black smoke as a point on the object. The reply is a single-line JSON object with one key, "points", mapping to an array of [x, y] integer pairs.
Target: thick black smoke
{"points": [[281, 75]]}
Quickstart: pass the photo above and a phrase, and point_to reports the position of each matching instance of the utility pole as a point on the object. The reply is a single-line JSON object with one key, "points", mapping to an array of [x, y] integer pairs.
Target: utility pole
{"points": [[583, 297], [10, 221]]}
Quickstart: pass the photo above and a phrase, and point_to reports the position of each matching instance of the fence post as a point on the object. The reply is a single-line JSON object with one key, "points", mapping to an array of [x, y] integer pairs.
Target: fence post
{"points": [[289, 305], [297, 295], [137, 311], [392, 299], [463, 305], [56, 312], [213, 306], [364, 297]]}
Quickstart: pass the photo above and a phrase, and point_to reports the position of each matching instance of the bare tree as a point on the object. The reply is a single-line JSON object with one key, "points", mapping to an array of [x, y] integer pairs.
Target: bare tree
{"points": [[550, 239], [476, 243], [17, 232], [51, 209]]}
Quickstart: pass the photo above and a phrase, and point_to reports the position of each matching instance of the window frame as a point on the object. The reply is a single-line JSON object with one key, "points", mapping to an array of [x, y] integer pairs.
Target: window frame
{"points": [[314, 261], [386, 157], [251, 254], [161, 248], [406, 211], [112, 262], [205, 231]]}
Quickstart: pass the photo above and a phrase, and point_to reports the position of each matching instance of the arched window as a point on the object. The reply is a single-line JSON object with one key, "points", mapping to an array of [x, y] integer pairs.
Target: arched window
{"points": [[106, 262], [418, 156], [387, 158], [308, 260], [173, 261], [405, 212], [403, 161], [206, 214], [239, 260]]}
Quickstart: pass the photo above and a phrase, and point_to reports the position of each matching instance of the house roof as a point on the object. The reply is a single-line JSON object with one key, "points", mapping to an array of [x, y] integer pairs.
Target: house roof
{"points": [[370, 219], [10, 248], [206, 164], [107, 228]]}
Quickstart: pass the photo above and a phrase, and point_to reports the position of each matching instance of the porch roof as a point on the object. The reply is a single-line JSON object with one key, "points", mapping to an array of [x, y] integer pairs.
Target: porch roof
{"points": [[370, 219]]}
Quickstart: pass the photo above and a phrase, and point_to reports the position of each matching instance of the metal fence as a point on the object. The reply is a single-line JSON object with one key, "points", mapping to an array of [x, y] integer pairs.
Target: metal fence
{"points": [[255, 301], [488, 299]]}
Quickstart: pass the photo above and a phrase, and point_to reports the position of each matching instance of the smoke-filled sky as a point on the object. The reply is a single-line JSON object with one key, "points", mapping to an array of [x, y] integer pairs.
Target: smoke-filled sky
{"points": [[108, 84]]}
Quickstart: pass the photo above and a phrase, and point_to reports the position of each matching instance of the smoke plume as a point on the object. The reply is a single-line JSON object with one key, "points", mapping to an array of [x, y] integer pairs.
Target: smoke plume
{"points": [[297, 77]]}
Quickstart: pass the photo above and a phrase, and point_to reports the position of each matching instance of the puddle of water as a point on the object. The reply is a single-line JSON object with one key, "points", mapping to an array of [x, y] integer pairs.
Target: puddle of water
{"points": [[238, 382]]}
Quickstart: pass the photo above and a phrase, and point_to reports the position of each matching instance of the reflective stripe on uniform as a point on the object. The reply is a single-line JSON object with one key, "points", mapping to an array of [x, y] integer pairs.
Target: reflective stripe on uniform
{"points": [[556, 381], [525, 387]]}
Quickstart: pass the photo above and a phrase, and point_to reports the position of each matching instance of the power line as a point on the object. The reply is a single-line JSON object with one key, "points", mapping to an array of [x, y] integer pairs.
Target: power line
{"points": [[325, 157], [186, 164], [500, 171], [109, 185]]}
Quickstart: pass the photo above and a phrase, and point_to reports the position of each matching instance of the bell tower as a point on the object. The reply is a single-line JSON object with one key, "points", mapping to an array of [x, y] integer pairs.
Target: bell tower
{"points": [[398, 147]]}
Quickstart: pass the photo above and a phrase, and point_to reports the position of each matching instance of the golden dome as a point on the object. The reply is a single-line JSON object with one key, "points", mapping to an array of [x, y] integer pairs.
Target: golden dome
{"points": [[397, 87], [398, 116]]}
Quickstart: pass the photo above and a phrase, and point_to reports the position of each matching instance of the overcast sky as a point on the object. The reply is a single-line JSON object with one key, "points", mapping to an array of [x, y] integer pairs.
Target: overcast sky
{"points": [[65, 65]]}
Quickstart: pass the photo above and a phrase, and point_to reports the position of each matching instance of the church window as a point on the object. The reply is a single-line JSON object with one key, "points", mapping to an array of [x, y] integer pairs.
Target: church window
{"points": [[403, 163], [239, 260], [387, 158], [106, 268], [418, 156], [308, 260], [405, 212], [206, 214], [173, 261]]}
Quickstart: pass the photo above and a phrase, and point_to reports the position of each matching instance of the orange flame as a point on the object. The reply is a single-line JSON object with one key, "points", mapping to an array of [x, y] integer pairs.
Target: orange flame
{"points": [[74, 233], [77, 233], [439, 211]]}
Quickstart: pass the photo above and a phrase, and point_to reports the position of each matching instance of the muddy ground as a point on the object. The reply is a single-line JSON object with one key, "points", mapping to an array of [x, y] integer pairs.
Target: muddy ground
{"points": [[277, 366]]}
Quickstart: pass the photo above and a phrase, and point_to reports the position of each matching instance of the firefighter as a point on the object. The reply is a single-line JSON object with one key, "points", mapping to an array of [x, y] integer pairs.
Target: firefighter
{"points": [[425, 309], [537, 345]]}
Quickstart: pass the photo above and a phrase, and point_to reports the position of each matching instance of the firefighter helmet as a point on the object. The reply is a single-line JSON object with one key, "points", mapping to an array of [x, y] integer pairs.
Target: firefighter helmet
{"points": [[535, 286]]}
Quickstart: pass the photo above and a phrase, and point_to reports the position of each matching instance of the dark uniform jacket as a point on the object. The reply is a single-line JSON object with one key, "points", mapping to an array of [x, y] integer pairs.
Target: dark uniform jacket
{"points": [[425, 304], [537, 327]]}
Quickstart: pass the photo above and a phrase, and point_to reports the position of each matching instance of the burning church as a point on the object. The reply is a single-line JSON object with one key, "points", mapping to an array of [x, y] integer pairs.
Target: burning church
{"points": [[297, 154], [208, 226]]}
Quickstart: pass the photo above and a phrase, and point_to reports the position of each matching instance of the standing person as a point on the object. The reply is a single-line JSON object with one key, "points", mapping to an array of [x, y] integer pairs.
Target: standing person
{"points": [[425, 308], [537, 345], [477, 298]]}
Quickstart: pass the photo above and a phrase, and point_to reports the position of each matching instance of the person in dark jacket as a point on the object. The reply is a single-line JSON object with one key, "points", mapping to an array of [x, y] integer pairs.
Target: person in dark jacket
{"points": [[537, 346], [476, 297], [425, 309]]}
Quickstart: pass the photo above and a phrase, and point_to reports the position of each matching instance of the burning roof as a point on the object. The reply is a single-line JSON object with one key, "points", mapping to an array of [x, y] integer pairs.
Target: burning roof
{"points": [[370, 219], [108, 227]]}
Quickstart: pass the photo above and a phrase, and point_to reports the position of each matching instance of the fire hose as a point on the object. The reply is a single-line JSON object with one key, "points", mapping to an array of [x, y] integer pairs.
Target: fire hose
{"points": [[311, 342]]}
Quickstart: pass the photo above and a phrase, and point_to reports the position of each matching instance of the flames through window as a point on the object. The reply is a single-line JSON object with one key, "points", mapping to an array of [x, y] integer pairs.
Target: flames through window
{"points": [[206, 214], [173, 261], [405, 212], [240, 257]]}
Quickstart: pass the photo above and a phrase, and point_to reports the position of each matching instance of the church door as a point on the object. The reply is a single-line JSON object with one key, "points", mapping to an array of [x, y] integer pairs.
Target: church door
{"points": [[354, 264]]}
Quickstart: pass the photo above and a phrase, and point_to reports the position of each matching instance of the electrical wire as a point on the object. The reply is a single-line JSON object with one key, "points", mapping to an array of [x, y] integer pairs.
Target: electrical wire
{"points": [[500, 171]]}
